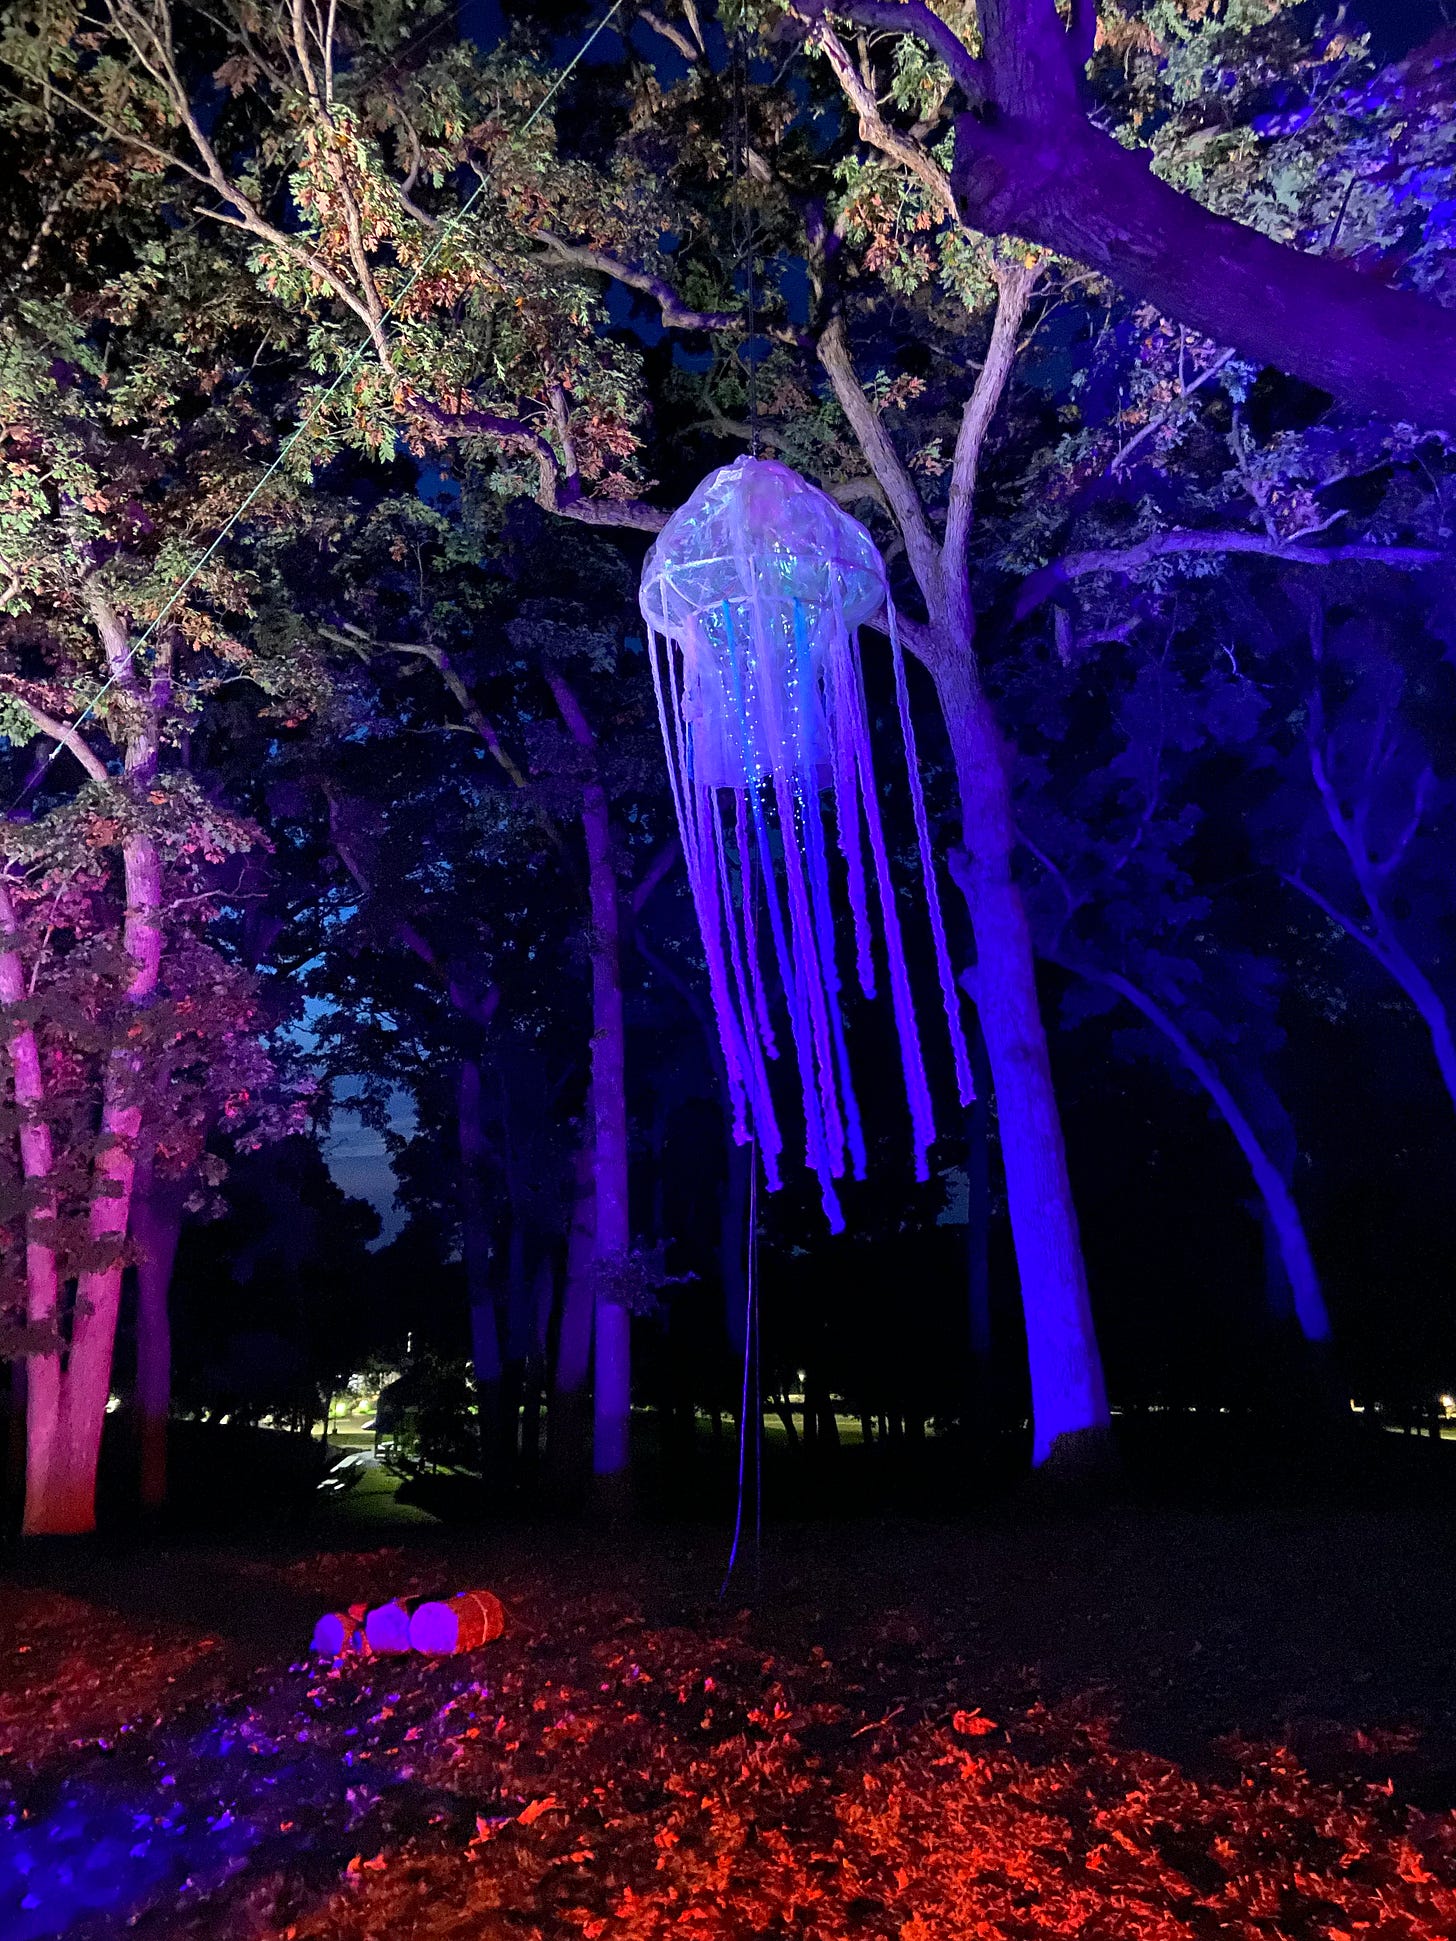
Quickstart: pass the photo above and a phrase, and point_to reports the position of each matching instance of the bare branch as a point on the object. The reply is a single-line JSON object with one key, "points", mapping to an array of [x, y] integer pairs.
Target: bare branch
{"points": [[885, 462], [1345, 922], [670, 33], [660, 867], [553, 492], [1039, 586], [1014, 285], [675, 314], [910, 17], [877, 131], [480, 723], [70, 738], [1119, 463]]}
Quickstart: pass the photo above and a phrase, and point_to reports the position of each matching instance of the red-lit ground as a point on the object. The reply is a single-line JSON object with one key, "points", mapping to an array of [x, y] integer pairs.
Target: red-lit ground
{"points": [[1150, 1727]]}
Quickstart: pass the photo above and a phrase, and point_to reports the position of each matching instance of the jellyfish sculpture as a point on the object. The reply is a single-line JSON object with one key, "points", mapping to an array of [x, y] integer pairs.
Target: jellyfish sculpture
{"points": [[753, 594]]}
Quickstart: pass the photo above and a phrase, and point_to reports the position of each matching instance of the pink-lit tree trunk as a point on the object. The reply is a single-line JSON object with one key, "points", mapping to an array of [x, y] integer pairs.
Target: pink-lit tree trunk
{"points": [[37, 1160], [1070, 1417], [612, 1234], [64, 1440], [66, 1502]]}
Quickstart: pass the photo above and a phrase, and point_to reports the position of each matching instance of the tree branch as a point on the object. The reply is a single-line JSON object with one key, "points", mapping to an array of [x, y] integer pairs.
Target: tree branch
{"points": [[660, 867], [1038, 587], [876, 130], [670, 33], [1014, 285], [1340, 918], [553, 492], [912, 17], [70, 738], [675, 314], [875, 442], [1030, 164]]}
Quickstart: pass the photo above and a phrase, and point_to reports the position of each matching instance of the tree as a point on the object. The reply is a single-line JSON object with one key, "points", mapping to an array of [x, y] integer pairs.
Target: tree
{"points": [[476, 332], [1127, 749], [1363, 826], [130, 1034], [1031, 162]]}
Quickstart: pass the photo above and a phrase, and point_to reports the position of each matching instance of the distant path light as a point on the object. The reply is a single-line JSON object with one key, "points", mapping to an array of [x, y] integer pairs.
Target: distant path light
{"points": [[753, 595]]}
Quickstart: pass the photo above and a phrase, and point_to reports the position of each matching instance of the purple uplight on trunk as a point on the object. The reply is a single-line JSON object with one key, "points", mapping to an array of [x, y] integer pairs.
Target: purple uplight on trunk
{"points": [[754, 593]]}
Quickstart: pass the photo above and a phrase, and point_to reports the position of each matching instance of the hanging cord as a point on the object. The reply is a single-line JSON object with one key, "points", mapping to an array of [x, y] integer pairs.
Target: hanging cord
{"points": [[443, 235], [745, 227], [752, 1396]]}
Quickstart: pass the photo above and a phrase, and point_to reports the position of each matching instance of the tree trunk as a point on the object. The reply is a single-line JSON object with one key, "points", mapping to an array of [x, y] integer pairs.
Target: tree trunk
{"points": [[985, 1402], [1069, 1400], [157, 1228], [1309, 1304], [475, 1247], [567, 1424], [612, 1363], [68, 1507], [42, 1381]]}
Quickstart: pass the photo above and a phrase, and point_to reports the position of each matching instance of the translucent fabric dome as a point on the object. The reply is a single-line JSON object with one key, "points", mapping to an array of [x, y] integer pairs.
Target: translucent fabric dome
{"points": [[759, 554], [755, 532]]}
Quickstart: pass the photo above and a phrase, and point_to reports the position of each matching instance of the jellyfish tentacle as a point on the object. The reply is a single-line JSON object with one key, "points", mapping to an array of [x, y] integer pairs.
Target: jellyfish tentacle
{"points": [[818, 873], [949, 994], [917, 1089], [757, 586]]}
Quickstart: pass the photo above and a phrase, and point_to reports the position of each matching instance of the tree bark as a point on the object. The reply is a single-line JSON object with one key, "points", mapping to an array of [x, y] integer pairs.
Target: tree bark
{"points": [[1068, 1395], [612, 1366], [157, 1228], [980, 1339], [567, 1424], [1069, 1400], [68, 1452], [69, 1504], [43, 1369], [1071, 188]]}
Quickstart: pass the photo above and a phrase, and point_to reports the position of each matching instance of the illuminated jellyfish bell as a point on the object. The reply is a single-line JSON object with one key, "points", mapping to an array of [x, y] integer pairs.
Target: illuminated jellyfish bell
{"points": [[753, 594]]}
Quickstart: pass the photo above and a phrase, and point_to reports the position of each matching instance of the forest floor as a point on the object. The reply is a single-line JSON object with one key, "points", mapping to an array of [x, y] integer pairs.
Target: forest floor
{"points": [[1147, 1724]]}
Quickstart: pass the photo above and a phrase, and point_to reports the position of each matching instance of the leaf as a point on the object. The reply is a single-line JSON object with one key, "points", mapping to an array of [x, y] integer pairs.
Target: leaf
{"points": [[528, 1815], [972, 1725]]}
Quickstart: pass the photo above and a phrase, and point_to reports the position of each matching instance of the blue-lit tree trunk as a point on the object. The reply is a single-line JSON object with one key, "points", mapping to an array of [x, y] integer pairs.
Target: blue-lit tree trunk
{"points": [[1279, 1204], [1068, 1395]]}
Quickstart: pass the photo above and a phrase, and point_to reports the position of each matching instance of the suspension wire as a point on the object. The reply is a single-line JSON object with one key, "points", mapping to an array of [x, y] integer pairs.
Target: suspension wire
{"points": [[744, 238], [755, 1322], [744, 234], [751, 1389], [347, 370]]}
